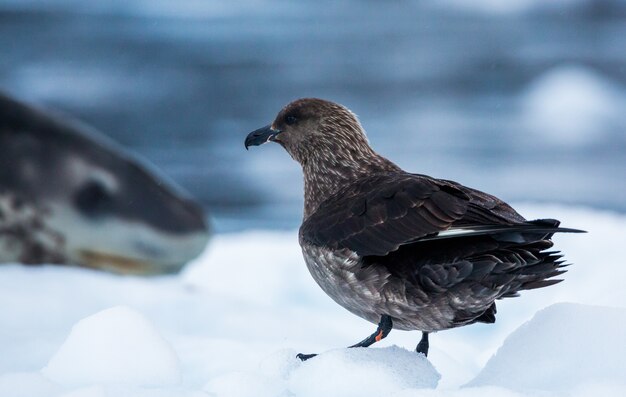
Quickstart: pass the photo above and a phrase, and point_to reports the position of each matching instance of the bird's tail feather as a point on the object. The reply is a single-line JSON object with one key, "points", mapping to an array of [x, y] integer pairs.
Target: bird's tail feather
{"points": [[540, 229]]}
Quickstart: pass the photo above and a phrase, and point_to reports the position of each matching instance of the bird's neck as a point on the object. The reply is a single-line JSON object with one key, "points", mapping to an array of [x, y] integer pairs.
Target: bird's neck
{"points": [[324, 175]]}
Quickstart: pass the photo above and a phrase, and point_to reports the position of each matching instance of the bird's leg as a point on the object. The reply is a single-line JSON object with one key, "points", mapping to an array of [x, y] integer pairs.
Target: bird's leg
{"points": [[384, 327], [422, 347]]}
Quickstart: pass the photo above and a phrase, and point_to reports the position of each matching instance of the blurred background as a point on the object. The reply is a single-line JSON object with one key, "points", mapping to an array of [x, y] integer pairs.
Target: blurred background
{"points": [[525, 99]]}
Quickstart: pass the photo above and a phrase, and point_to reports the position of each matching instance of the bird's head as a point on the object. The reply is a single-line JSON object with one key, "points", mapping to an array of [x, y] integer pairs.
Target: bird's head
{"points": [[312, 128]]}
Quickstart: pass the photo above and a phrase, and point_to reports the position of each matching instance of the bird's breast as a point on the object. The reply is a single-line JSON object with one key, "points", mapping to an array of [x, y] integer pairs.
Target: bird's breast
{"points": [[339, 274], [371, 291]]}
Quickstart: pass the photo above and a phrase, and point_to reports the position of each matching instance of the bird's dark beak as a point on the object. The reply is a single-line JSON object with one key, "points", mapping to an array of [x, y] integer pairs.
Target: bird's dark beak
{"points": [[261, 136]]}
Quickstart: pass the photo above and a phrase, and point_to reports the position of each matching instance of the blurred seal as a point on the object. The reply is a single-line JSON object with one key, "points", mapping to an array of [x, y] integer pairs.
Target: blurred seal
{"points": [[69, 195]]}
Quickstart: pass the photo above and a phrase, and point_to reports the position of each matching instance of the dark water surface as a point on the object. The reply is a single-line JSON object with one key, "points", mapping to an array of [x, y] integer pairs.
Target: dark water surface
{"points": [[441, 91]]}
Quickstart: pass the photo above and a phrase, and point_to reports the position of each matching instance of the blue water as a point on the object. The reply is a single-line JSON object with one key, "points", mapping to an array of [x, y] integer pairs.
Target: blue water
{"points": [[439, 90]]}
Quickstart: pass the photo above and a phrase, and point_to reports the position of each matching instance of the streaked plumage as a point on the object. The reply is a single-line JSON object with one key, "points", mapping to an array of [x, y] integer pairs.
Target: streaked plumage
{"points": [[429, 254]]}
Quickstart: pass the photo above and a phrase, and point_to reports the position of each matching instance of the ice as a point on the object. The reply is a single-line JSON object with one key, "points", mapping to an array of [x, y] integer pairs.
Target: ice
{"points": [[265, 282], [92, 391], [564, 347], [117, 345], [363, 372], [340, 372], [27, 384], [488, 391], [238, 316], [130, 391], [243, 384], [509, 7], [280, 364], [573, 105]]}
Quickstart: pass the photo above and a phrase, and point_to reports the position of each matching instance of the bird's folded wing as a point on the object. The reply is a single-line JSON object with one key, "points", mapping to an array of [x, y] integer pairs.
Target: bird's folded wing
{"points": [[379, 213]]}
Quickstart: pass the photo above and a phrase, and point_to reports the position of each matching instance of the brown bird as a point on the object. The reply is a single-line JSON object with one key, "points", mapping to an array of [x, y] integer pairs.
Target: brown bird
{"points": [[403, 250]]}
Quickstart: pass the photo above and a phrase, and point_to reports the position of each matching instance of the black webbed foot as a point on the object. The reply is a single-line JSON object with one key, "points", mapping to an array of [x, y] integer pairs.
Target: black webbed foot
{"points": [[304, 357], [422, 347]]}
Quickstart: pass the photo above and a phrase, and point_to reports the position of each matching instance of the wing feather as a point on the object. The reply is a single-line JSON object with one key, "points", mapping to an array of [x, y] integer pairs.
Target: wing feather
{"points": [[381, 212]]}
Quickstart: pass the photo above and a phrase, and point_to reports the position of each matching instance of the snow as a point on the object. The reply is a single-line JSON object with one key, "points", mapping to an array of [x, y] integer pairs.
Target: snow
{"points": [[241, 384], [376, 372], [576, 345], [362, 372], [573, 105], [27, 384], [93, 391], [232, 323], [510, 7], [116, 345]]}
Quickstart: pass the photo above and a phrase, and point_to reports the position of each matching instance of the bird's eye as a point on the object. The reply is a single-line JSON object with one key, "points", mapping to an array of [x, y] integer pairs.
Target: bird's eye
{"points": [[290, 120]]}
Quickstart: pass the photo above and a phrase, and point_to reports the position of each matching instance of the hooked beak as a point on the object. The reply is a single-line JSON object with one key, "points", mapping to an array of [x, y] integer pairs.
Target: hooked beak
{"points": [[261, 136]]}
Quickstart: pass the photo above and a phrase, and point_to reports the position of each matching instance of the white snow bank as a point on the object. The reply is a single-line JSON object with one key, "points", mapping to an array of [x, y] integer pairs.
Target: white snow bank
{"points": [[363, 372], [27, 384], [116, 345], [91, 391], [264, 258], [249, 299], [130, 391], [572, 105], [563, 348], [507, 7], [488, 391], [342, 373], [245, 384]]}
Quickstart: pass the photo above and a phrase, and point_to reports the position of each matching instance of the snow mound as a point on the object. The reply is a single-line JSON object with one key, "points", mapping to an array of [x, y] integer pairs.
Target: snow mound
{"points": [[280, 364], [565, 347], [245, 384], [26, 384], [572, 105], [116, 345], [363, 372], [92, 391], [130, 391], [239, 341], [343, 373]]}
